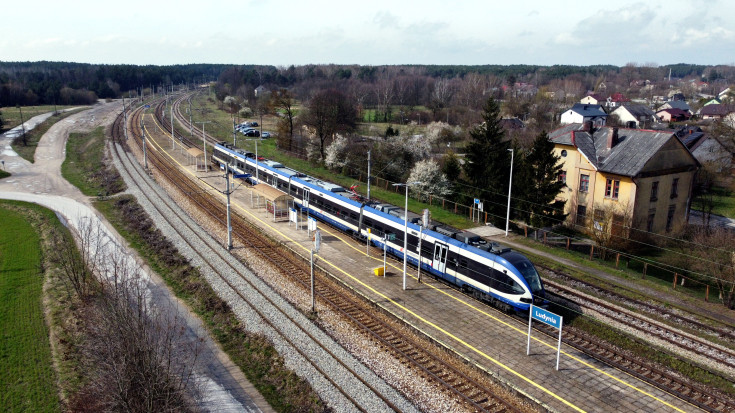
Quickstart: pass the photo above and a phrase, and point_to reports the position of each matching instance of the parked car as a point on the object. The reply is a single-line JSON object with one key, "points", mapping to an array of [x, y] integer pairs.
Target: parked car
{"points": [[266, 135], [252, 133]]}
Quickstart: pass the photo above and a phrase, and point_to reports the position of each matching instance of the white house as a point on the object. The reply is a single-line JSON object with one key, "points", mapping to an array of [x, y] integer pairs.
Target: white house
{"points": [[592, 99], [635, 115], [581, 113]]}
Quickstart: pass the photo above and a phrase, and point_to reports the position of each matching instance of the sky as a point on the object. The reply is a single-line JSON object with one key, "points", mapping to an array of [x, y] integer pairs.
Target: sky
{"points": [[373, 32]]}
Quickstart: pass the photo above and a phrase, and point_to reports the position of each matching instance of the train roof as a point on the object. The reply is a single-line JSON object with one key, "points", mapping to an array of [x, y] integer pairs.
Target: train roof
{"points": [[336, 190]]}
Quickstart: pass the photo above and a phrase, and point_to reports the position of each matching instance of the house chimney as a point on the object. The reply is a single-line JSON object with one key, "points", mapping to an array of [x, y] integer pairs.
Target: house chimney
{"points": [[612, 138], [587, 126]]}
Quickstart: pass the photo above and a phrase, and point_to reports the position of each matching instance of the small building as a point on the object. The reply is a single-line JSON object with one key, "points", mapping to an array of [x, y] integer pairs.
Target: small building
{"points": [[676, 104], [716, 112], [276, 202], [616, 100], [635, 178], [593, 99], [709, 151], [512, 123], [673, 115], [260, 91], [635, 115], [580, 113]]}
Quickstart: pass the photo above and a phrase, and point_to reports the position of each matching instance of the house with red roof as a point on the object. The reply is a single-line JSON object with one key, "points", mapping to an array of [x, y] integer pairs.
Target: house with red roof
{"points": [[673, 115]]}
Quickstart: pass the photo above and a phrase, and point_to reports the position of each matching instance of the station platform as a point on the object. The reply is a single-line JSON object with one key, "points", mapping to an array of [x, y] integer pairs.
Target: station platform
{"points": [[487, 337]]}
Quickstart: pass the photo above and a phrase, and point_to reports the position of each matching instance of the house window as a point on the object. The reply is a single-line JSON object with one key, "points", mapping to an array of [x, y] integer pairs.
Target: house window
{"points": [[670, 218], [581, 214], [654, 191], [584, 183], [651, 217], [675, 188], [612, 188], [562, 177]]}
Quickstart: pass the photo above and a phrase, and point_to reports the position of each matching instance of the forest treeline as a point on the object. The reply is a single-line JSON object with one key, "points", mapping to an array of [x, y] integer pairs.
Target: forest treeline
{"points": [[36, 83]]}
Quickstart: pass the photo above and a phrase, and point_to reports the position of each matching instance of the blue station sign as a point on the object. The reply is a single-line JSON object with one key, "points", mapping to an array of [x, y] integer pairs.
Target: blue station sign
{"points": [[546, 317]]}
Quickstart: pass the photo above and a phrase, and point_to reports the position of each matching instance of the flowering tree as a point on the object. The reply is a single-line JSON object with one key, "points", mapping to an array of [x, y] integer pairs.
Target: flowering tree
{"points": [[431, 179], [336, 154]]}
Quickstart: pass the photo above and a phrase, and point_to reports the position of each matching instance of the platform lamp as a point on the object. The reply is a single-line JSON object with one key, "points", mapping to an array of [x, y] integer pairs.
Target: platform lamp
{"points": [[405, 230]]}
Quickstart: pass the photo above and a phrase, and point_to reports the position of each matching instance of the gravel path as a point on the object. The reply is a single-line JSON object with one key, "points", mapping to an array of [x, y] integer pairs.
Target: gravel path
{"points": [[41, 183], [202, 250]]}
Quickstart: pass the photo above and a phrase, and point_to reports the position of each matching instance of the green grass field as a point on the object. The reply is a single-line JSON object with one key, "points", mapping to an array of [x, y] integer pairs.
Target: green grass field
{"points": [[724, 203], [26, 374], [83, 152], [83, 168]]}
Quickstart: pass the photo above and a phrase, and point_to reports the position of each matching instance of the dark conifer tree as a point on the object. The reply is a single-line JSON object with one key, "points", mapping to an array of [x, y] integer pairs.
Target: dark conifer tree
{"points": [[541, 184], [487, 162]]}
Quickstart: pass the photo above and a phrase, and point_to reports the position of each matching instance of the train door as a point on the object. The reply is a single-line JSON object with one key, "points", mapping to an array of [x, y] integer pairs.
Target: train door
{"points": [[439, 262], [305, 200]]}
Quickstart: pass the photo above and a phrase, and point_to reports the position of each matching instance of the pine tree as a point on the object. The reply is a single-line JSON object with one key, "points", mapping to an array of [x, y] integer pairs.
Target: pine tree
{"points": [[487, 161], [541, 184]]}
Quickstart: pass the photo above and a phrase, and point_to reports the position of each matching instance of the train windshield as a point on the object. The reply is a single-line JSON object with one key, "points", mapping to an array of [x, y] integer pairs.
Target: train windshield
{"points": [[528, 271]]}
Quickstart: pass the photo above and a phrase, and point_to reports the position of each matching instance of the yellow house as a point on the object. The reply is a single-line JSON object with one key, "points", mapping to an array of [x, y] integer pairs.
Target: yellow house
{"points": [[624, 178]]}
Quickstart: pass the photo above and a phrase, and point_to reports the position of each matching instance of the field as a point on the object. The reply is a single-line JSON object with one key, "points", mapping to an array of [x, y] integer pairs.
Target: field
{"points": [[26, 373], [11, 115], [83, 167]]}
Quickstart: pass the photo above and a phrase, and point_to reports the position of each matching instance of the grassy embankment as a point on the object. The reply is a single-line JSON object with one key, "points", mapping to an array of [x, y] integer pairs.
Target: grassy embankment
{"points": [[252, 353], [33, 136], [84, 168], [27, 377]]}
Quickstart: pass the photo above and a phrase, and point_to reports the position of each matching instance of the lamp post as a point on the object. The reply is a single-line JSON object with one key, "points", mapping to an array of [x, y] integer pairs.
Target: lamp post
{"points": [[405, 230], [510, 185]]}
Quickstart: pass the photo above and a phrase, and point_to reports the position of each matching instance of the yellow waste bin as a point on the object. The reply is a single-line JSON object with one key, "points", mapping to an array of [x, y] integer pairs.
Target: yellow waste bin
{"points": [[379, 271]]}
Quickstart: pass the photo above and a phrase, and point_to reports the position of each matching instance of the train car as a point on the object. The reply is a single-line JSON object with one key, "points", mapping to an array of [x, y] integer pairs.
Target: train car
{"points": [[505, 278]]}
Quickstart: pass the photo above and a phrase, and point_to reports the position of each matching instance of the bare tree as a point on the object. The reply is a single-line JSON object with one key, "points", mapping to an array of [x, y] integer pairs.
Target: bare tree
{"points": [[384, 92], [284, 104], [329, 112], [77, 259], [611, 226], [139, 354], [715, 248]]}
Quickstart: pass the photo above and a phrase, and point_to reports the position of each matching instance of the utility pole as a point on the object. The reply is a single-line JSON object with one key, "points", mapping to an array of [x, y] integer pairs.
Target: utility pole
{"points": [[368, 177], [125, 115], [191, 125], [204, 140], [145, 155], [173, 145], [234, 133], [22, 125], [227, 192]]}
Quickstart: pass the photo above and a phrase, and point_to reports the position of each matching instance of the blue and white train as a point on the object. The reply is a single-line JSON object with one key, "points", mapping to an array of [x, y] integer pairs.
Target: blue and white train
{"points": [[502, 277]]}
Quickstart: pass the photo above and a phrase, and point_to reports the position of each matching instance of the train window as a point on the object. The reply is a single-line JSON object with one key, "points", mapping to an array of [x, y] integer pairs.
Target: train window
{"points": [[353, 215], [463, 262]]}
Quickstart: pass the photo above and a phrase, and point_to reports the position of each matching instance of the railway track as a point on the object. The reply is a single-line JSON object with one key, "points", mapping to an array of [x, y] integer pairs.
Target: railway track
{"points": [[726, 332], [411, 353], [685, 341], [338, 383], [646, 371]]}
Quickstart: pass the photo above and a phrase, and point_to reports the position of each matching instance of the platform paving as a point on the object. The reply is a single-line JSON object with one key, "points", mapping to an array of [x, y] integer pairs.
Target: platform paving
{"points": [[492, 340]]}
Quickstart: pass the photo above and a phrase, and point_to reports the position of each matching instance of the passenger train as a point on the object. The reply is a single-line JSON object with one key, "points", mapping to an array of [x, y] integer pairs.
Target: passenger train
{"points": [[500, 276]]}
